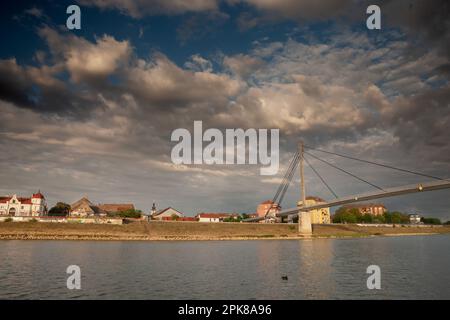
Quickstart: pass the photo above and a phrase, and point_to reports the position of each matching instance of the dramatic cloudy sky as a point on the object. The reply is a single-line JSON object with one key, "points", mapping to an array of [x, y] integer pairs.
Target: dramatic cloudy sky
{"points": [[90, 112]]}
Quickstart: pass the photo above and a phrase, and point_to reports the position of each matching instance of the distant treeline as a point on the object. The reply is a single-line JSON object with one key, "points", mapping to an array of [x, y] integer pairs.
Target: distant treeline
{"points": [[63, 209], [345, 215]]}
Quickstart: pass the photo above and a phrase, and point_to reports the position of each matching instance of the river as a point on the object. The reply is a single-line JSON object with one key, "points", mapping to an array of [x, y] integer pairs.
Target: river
{"points": [[412, 267]]}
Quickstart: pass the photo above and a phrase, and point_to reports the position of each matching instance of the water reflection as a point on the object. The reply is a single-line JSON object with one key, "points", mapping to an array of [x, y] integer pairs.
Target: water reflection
{"points": [[412, 267]]}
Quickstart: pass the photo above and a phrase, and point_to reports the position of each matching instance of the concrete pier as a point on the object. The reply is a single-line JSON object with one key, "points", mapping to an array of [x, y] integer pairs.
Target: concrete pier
{"points": [[305, 226]]}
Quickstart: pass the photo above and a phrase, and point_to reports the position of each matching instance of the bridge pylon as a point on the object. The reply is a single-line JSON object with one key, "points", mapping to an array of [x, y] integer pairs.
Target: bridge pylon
{"points": [[304, 217]]}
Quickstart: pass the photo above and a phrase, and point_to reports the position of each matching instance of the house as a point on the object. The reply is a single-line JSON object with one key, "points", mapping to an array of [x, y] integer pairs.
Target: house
{"points": [[34, 206], [114, 208], [374, 209], [167, 213], [84, 208], [215, 217], [268, 207], [318, 216], [414, 219]]}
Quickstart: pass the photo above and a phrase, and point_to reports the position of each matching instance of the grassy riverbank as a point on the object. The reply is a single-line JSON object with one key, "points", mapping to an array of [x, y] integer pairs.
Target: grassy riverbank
{"points": [[194, 231]]}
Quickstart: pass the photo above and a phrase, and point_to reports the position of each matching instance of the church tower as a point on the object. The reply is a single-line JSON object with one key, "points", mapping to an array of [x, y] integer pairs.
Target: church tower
{"points": [[153, 208]]}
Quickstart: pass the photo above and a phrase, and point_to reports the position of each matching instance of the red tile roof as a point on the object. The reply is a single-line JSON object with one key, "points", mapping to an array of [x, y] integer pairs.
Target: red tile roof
{"points": [[109, 207], [38, 195], [4, 199], [22, 200]]}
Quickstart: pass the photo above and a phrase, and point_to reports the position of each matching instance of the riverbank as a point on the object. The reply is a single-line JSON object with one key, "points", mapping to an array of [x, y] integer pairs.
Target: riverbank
{"points": [[157, 230]]}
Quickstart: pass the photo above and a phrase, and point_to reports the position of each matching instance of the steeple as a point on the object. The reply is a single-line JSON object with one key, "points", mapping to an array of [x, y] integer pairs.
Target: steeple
{"points": [[154, 208]]}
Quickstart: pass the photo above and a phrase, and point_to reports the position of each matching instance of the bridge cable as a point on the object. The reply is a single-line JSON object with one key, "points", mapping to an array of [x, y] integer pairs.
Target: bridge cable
{"points": [[286, 174], [285, 181], [320, 177], [291, 175], [349, 173], [378, 164]]}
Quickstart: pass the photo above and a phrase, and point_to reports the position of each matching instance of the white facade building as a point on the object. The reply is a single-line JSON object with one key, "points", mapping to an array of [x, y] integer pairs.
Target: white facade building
{"points": [[34, 206], [167, 213], [215, 217]]}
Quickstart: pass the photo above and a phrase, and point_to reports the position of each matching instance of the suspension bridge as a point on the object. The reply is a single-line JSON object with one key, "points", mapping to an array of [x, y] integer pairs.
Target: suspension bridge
{"points": [[303, 212]]}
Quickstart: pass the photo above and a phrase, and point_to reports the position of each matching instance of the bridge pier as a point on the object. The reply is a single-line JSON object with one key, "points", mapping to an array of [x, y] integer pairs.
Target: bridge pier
{"points": [[304, 223]]}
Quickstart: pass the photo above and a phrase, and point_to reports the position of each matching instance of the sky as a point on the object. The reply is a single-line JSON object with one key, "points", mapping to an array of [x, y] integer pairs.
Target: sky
{"points": [[90, 112]]}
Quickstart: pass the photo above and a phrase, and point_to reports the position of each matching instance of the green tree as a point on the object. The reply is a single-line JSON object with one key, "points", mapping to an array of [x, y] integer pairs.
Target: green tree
{"points": [[245, 216], [60, 209], [345, 215], [233, 219], [396, 217], [130, 213], [431, 220]]}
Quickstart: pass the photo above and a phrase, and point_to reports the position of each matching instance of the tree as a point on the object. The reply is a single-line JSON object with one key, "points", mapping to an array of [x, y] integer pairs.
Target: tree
{"points": [[130, 213], [245, 216], [345, 215], [60, 209], [174, 217], [232, 219], [431, 220]]}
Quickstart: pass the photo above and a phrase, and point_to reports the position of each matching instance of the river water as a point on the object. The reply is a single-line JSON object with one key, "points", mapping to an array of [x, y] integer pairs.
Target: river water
{"points": [[412, 267]]}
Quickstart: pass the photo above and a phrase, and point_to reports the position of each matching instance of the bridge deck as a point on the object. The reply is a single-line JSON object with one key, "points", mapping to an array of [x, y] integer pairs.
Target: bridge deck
{"points": [[390, 192]]}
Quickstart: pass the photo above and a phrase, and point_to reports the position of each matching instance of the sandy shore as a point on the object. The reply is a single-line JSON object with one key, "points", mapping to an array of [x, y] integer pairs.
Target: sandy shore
{"points": [[178, 231]]}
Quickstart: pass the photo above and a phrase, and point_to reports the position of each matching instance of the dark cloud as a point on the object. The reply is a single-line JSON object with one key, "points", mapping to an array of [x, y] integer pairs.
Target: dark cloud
{"points": [[14, 85]]}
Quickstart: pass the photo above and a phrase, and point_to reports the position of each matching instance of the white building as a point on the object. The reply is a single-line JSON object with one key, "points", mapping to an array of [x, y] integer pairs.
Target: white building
{"points": [[414, 218], [34, 206], [215, 217], [167, 214]]}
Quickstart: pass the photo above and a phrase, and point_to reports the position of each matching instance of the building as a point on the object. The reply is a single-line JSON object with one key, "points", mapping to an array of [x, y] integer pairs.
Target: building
{"points": [[318, 216], [374, 209], [215, 217], [267, 207], [114, 208], [33, 206], [414, 219], [84, 208], [167, 213]]}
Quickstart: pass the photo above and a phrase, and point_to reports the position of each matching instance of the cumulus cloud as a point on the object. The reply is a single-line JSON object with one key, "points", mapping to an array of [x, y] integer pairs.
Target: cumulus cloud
{"points": [[85, 60]]}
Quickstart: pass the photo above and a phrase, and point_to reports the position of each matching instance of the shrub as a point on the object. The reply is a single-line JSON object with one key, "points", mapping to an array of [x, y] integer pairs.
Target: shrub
{"points": [[8, 220], [430, 220], [131, 213]]}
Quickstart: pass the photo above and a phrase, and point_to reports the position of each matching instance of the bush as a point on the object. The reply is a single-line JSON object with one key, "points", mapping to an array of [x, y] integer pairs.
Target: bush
{"points": [[8, 220], [345, 215], [130, 213], [431, 220], [396, 217], [60, 209], [33, 220]]}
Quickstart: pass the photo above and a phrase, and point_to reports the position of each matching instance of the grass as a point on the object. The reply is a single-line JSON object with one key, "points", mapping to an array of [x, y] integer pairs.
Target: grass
{"points": [[193, 230]]}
